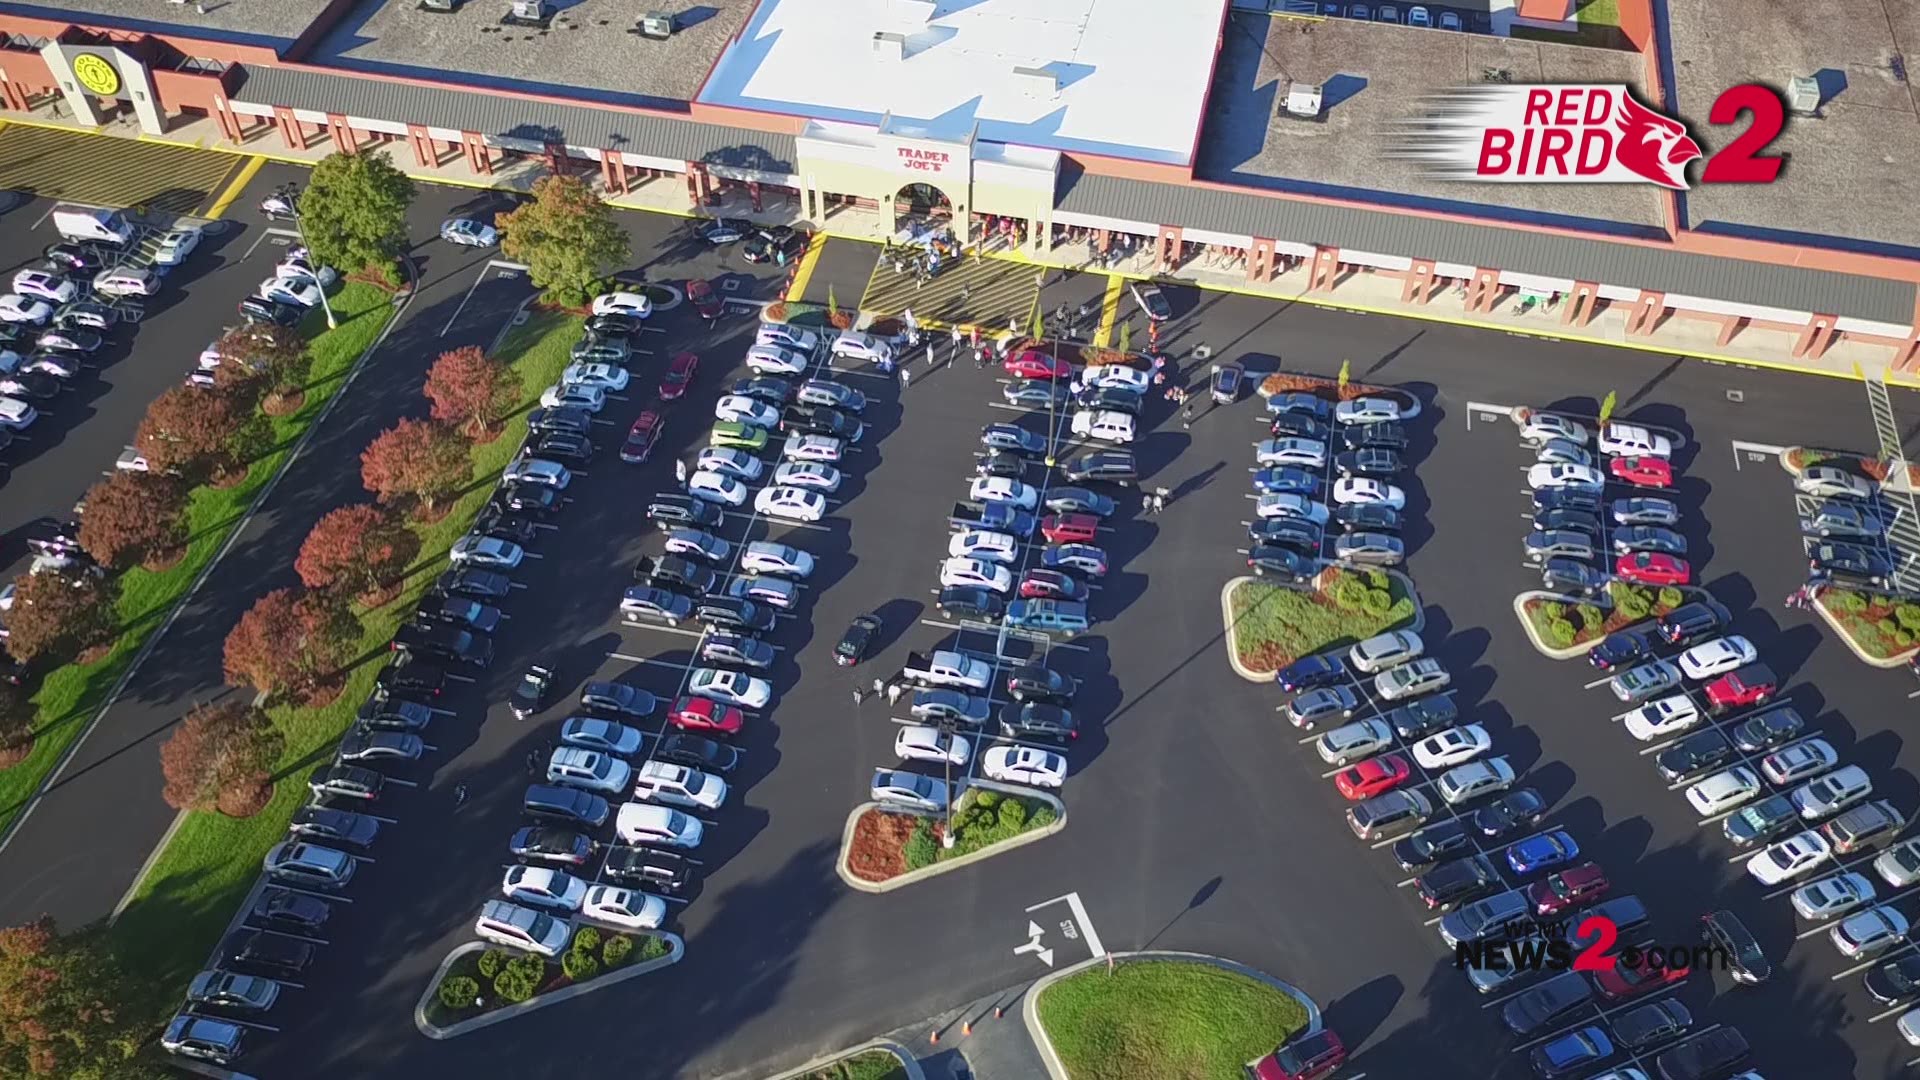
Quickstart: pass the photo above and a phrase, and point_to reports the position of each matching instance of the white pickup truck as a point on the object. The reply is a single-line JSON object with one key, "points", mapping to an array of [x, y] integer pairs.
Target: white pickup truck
{"points": [[946, 667]]}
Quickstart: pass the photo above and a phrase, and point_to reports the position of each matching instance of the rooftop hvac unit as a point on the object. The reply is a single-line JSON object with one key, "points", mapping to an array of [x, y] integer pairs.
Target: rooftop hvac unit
{"points": [[1803, 95], [1303, 100], [528, 13], [657, 25], [889, 46]]}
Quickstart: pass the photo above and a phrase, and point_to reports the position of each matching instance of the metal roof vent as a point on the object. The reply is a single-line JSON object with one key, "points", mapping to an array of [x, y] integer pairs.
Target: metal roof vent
{"points": [[890, 47], [657, 25], [1037, 81], [1303, 100], [1803, 95]]}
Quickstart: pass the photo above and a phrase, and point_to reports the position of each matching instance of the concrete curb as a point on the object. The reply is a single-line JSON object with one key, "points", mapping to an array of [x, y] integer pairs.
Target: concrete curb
{"points": [[912, 876], [1233, 646], [1030, 1005], [1833, 623], [676, 949], [1533, 637], [908, 1063]]}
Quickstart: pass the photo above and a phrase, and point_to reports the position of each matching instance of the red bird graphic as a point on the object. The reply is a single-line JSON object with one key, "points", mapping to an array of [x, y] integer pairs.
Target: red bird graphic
{"points": [[1652, 146]]}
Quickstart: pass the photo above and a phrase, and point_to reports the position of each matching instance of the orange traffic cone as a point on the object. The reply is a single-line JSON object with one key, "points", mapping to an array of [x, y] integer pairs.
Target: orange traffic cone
{"points": [[934, 1036]]}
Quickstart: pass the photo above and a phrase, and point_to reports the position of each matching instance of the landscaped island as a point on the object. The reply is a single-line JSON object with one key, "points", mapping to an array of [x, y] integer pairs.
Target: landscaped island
{"points": [[1271, 626], [1167, 1019]]}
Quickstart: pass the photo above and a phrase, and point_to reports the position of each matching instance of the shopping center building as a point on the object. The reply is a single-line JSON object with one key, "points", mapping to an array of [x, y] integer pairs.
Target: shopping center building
{"points": [[1076, 127]]}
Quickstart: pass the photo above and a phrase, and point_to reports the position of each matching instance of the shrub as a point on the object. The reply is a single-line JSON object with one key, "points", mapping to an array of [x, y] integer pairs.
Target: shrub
{"points": [[1671, 598], [1042, 817], [1379, 601], [1907, 615], [1013, 813], [1554, 609], [920, 850], [653, 948], [1903, 638], [580, 965], [1590, 617], [459, 991], [1851, 602], [514, 986], [490, 963], [1632, 604], [986, 800], [1377, 579], [617, 949], [1560, 633], [1350, 592], [586, 939], [1885, 626]]}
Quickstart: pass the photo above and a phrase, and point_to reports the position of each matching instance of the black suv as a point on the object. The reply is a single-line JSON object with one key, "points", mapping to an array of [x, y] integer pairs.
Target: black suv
{"points": [[547, 844], [284, 909], [680, 513], [258, 952], [674, 572], [1037, 682], [820, 420], [1038, 720], [474, 582], [696, 752], [732, 613], [1746, 962], [1621, 648], [505, 525], [445, 641], [569, 419], [969, 602], [410, 675], [650, 869], [1457, 882], [1112, 466], [1689, 622], [1433, 843], [1418, 719], [1693, 755]]}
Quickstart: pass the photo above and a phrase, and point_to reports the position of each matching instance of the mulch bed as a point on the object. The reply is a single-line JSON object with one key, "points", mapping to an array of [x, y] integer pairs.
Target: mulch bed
{"points": [[878, 849], [1330, 389]]}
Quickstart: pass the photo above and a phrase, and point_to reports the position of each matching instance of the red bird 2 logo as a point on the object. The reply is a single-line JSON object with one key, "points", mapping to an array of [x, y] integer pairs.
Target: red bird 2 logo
{"points": [[1585, 134]]}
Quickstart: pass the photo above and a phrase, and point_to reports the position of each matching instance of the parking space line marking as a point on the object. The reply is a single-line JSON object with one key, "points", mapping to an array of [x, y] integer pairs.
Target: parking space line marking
{"points": [[1109, 310]]}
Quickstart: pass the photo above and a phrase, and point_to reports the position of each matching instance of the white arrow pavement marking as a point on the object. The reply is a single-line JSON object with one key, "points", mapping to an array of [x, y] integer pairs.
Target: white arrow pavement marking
{"points": [[1034, 934]]}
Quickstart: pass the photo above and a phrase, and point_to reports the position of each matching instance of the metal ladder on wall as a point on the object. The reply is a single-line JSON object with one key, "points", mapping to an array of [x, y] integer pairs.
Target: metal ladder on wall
{"points": [[1903, 531]]}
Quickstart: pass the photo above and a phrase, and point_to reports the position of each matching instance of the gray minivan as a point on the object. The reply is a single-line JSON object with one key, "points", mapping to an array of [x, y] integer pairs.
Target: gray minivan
{"points": [[1485, 918], [1864, 827], [1392, 812]]}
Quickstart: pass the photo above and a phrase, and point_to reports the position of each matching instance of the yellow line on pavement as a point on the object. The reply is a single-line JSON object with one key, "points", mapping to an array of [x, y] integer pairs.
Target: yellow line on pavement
{"points": [[804, 272], [234, 189], [1109, 307]]}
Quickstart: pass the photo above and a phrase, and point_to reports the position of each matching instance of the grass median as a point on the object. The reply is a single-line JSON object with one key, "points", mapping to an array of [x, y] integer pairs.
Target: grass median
{"points": [[866, 1065], [1273, 625], [70, 695], [1167, 1019], [189, 894]]}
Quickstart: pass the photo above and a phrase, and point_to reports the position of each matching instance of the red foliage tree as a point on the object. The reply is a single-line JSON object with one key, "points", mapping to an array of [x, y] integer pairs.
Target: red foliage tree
{"points": [[66, 1008], [290, 642], [415, 459], [133, 516], [59, 614], [191, 430], [472, 391], [358, 549], [16, 723], [262, 354], [221, 758]]}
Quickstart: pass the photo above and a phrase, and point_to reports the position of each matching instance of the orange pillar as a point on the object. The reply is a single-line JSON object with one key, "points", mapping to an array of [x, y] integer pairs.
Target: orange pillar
{"points": [[1260, 260], [229, 123], [290, 132], [1326, 267], [479, 156], [1729, 326], [1814, 340], [1167, 255], [699, 184], [613, 172], [1580, 303], [1904, 357], [342, 133], [421, 143], [1647, 311], [10, 91], [1418, 287], [1484, 291]]}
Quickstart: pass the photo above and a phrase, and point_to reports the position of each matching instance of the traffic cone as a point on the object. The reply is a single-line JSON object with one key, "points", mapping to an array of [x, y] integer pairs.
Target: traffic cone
{"points": [[998, 1012], [966, 1027], [934, 1036]]}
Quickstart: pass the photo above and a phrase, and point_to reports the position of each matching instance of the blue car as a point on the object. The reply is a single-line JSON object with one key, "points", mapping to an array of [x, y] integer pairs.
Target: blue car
{"points": [[1574, 1052], [1048, 616], [1285, 478], [1309, 672], [1542, 852], [1300, 403]]}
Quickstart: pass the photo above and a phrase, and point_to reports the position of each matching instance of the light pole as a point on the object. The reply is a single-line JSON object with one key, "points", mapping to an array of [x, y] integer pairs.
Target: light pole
{"points": [[293, 207], [946, 760]]}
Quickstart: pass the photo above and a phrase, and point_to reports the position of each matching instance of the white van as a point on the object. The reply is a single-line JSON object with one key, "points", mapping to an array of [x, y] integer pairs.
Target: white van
{"points": [[1631, 440], [126, 281], [92, 223], [787, 337], [1108, 426], [16, 414]]}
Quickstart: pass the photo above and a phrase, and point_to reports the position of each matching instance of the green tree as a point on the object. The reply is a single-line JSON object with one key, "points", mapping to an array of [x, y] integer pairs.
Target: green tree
{"points": [[65, 1008], [1346, 374], [566, 236], [1606, 406], [354, 213]]}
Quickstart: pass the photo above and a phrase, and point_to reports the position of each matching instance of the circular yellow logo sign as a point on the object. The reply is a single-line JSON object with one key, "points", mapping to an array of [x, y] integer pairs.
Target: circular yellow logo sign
{"points": [[96, 74]]}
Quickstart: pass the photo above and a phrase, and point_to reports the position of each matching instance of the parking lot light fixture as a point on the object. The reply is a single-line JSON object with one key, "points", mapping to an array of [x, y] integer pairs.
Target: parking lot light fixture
{"points": [[300, 227]]}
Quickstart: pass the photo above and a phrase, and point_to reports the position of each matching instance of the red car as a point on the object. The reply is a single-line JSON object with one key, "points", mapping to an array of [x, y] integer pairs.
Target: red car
{"points": [[679, 374], [1646, 472], [1374, 776], [1069, 528], [706, 303], [703, 714], [1307, 1057], [1648, 568], [1749, 685], [1037, 365], [1620, 982], [641, 437], [1568, 889], [1051, 585]]}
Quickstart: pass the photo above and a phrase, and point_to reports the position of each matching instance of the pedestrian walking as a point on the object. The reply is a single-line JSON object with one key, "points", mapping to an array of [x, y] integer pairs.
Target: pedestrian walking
{"points": [[680, 470], [879, 686], [859, 696], [966, 292], [1146, 503], [980, 359], [893, 694], [904, 377], [533, 761], [1186, 416], [957, 337], [1159, 502], [459, 796], [929, 354]]}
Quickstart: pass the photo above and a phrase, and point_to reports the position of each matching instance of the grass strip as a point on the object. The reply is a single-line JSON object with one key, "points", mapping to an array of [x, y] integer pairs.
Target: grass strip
{"points": [[190, 893], [1170, 1020], [1273, 626], [866, 1065]]}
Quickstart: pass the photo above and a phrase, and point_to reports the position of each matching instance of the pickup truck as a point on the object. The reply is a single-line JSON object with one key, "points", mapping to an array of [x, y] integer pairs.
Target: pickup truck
{"points": [[674, 572], [993, 517], [948, 668]]}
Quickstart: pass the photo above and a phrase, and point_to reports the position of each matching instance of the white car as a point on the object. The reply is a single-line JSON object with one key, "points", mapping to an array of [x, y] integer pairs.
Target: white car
{"points": [[1792, 764], [574, 396], [15, 308], [176, 245], [1543, 427], [1288, 504], [298, 265], [1422, 676], [291, 290], [1831, 793], [1116, 376], [767, 557], [1631, 440], [590, 769], [538, 471], [697, 544], [1464, 783], [908, 789], [629, 909], [1899, 865], [918, 742], [1554, 475], [1711, 659], [729, 461], [1366, 410], [1028, 765], [1454, 746], [1351, 742], [1364, 490], [716, 487], [631, 304], [1869, 933], [468, 233], [730, 687], [1821, 900], [596, 733], [982, 544], [522, 928], [538, 886], [774, 360], [834, 395], [44, 286], [745, 410], [641, 823], [1105, 425], [490, 552], [1723, 791], [605, 376], [1663, 717], [858, 346], [1305, 453], [1790, 858], [1385, 650], [824, 448], [785, 336], [790, 504], [808, 474], [1829, 483], [126, 281], [975, 572], [660, 781], [1003, 489]]}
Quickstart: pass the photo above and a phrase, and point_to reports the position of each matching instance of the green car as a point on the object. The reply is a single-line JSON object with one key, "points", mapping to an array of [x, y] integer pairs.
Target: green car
{"points": [[732, 433]]}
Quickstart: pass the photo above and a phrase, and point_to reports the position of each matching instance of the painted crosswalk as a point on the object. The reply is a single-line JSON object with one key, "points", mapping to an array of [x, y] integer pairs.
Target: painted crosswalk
{"points": [[104, 171], [988, 293]]}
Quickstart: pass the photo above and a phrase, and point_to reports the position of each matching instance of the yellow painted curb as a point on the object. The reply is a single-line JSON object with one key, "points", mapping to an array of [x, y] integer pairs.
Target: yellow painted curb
{"points": [[1109, 309], [233, 190], [803, 273]]}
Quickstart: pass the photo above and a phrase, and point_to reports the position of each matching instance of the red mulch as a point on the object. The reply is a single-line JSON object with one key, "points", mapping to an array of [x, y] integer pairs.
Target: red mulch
{"points": [[879, 842], [1287, 383], [14, 755]]}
